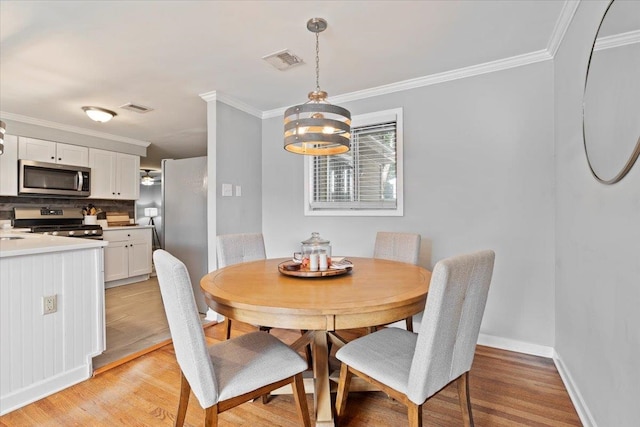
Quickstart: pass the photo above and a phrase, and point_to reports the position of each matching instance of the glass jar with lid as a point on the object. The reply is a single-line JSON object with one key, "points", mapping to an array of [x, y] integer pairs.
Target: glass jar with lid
{"points": [[317, 248]]}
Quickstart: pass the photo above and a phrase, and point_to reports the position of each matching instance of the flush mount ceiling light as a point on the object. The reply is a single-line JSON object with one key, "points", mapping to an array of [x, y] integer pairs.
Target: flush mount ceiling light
{"points": [[3, 129], [316, 127], [146, 179], [98, 114]]}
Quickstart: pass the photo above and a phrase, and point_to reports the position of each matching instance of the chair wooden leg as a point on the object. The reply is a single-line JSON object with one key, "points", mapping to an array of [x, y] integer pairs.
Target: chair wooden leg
{"points": [[415, 414], [343, 390], [301, 400], [185, 391], [465, 399], [211, 416], [227, 323], [307, 352], [409, 321]]}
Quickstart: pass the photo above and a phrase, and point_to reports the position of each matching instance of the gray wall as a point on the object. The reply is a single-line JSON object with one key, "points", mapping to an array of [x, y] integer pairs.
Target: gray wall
{"points": [[598, 242], [238, 162], [479, 173]]}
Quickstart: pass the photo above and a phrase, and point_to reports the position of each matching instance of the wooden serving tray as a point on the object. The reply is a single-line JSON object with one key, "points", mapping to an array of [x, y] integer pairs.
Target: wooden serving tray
{"points": [[284, 268]]}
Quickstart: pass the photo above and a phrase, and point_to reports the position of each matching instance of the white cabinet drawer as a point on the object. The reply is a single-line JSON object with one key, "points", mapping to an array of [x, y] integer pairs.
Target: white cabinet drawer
{"points": [[124, 235]]}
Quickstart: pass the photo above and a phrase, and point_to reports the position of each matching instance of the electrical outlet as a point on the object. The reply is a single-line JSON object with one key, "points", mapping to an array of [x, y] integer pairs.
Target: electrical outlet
{"points": [[49, 304]]}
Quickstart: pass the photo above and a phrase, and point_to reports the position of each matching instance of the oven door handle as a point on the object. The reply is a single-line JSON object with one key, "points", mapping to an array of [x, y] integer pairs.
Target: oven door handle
{"points": [[80, 181]]}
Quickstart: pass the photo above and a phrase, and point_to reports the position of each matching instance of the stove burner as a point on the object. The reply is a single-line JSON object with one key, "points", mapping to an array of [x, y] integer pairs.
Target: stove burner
{"points": [[69, 230]]}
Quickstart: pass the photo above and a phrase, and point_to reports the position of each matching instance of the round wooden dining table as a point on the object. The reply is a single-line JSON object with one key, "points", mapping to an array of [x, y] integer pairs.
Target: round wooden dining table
{"points": [[375, 292]]}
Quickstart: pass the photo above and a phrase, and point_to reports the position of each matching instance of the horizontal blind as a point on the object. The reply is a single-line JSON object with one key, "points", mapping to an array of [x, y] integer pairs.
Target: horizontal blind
{"points": [[364, 177]]}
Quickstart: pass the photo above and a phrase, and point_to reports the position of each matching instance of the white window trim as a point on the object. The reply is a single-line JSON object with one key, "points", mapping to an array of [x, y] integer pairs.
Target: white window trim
{"points": [[357, 121]]}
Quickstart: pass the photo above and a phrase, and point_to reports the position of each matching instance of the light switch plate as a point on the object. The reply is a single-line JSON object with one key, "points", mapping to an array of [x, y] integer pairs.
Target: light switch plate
{"points": [[227, 190], [238, 191]]}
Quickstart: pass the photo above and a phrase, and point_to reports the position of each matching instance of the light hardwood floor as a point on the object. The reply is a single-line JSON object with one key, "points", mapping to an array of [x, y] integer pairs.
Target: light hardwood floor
{"points": [[135, 321], [507, 389]]}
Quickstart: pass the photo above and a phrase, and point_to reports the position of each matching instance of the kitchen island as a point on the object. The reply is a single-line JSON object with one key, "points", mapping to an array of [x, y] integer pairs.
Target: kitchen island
{"points": [[64, 278]]}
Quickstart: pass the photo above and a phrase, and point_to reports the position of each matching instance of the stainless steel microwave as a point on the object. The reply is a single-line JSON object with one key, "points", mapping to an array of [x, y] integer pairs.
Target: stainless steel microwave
{"points": [[53, 180]]}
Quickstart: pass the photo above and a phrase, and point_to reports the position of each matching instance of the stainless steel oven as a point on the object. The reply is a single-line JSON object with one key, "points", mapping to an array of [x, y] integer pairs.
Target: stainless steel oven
{"points": [[53, 180], [56, 222]]}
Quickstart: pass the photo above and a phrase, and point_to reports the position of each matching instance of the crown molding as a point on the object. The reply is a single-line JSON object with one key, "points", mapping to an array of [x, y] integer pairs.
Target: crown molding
{"points": [[617, 40], [461, 73], [215, 95], [73, 129], [562, 25]]}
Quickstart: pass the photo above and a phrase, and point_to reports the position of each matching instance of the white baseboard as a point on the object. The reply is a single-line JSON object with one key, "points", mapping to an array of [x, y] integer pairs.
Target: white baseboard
{"points": [[579, 404], [44, 388], [212, 316], [574, 393], [515, 345]]}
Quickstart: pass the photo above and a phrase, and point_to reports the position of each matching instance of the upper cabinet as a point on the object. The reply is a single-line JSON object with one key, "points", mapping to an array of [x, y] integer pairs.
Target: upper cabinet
{"points": [[52, 152], [114, 175], [9, 167]]}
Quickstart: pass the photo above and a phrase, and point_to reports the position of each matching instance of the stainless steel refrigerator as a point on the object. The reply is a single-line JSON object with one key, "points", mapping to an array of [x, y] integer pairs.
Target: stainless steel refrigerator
{"points": [[184, 217]]}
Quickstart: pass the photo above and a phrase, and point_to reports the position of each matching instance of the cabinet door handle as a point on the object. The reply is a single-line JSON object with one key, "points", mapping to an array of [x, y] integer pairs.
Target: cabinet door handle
{"points": [[53, 158], [59, 158]]}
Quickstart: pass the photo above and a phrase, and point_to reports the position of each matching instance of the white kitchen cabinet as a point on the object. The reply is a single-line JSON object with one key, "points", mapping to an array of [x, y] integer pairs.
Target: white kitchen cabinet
{"points": [[41, 150], [114, 175], [127, 258], [9, 167]]}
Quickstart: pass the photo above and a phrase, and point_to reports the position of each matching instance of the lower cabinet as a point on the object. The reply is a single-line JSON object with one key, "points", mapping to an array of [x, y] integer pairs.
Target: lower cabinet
{"points": [[127, 258]]}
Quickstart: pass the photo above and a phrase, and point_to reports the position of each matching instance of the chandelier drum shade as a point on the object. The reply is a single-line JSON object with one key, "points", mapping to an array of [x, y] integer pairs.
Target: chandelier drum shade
{"points": [[317, 127]]}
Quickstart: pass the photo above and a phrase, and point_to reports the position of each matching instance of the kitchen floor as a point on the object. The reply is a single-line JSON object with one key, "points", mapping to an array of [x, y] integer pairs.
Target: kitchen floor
{"points": [[135, 323]]}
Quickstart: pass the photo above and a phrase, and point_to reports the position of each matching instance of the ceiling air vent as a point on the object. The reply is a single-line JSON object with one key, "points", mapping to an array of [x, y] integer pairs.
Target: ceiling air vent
{"points": [[283, 60], [136, 108]]}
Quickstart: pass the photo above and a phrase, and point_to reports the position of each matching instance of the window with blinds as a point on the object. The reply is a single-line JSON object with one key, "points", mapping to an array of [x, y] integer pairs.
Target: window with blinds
{"points": [[367, 179]]}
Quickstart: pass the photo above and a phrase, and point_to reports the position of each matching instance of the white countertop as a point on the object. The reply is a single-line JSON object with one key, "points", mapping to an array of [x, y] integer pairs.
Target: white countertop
{"points": [[30, 243], [126, 227]]}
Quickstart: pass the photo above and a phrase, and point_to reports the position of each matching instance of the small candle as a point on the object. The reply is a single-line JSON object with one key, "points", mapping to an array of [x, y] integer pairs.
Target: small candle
{"points": [[322, 261], [313, 262]]}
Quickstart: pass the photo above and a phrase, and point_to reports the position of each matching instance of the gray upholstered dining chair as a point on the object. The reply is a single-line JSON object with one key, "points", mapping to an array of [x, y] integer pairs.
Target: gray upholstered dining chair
{"points": [[440, 353], [402, 247], [243, 247], [229, 373], [237, 248]]}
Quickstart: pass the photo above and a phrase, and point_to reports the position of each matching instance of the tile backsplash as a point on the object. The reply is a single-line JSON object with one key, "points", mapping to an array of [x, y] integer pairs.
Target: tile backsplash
{"points": [[7, 203]]}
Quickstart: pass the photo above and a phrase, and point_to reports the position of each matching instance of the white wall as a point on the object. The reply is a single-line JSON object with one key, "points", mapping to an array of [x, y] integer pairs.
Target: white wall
{"points": [[479, 173], [598, 247]]}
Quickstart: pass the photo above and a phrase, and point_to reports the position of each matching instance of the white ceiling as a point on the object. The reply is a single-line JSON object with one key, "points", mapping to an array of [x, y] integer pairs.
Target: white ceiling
{"points": [[56, 56]]}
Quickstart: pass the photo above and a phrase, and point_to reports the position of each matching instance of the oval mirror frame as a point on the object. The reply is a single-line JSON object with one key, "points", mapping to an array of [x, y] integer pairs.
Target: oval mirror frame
{"points": [[636, 151]]}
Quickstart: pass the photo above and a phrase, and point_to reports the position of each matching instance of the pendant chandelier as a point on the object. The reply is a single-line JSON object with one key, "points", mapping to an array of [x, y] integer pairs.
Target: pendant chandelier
{"points": [[316, 127]]}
